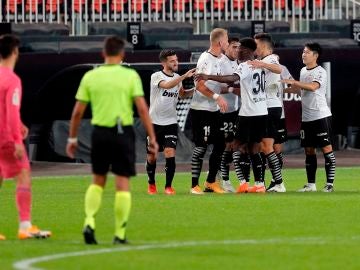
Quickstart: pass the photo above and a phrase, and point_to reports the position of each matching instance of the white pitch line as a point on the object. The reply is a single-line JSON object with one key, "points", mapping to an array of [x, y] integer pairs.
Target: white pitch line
{"points": [[27, 264]]}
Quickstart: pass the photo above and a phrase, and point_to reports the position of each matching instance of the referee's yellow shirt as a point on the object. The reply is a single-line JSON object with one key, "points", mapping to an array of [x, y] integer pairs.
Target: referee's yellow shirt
{"points": [[110, 89]]}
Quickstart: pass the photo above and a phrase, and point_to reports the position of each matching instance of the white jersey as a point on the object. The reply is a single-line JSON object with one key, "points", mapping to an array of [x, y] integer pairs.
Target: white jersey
{"points": [[228, 67], [252, 85], [285, 74], [163, 101], [272, 84], [314, 105], [207, 64]]}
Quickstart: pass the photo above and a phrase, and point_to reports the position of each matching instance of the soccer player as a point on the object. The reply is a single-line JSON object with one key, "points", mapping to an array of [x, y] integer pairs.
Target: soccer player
{"points": [[228, 65], [251, 124], [14, 162], [165, 88], [205, 114], [111, 90], [316, 117], [270, 63]]}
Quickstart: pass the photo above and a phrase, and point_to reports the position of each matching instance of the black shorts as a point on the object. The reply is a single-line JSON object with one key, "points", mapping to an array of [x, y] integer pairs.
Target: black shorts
{"points": [[166, 136], [316, 133], [113, 152], [228, 121], [273, 122], [206, 127], [282, 132], [251, 129]]}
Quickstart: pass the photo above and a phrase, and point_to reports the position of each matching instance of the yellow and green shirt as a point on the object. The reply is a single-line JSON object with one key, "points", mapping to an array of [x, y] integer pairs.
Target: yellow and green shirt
{"points": [[110, 89]]}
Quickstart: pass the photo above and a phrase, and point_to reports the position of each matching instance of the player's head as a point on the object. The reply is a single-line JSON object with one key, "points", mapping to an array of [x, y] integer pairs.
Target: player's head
{"points": [[219, 38], [232, 50], [9, 47], [169, 60], [114, 48], [264, 44], [247, 49], [311, 53]]}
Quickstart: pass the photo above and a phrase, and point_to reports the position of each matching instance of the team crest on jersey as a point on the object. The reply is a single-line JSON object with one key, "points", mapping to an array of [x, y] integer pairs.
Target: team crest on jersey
{"points": [[16, 97]]}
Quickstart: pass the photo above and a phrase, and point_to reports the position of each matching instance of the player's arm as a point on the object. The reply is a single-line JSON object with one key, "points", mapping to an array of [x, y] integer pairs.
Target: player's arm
{"points": [[143, 112], [77, 115], [201, 87], [230, 89], [185, 93], [312, 86], [172, 83], [274, 68], [13, 118], [223, 79]]}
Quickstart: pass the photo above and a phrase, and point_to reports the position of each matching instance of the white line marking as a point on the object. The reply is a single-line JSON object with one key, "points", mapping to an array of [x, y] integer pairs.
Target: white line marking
{"points": [[27, 264]]}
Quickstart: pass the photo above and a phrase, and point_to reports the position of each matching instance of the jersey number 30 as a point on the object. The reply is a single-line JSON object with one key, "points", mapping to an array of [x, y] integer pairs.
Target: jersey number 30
{"points": [[259, 82]]}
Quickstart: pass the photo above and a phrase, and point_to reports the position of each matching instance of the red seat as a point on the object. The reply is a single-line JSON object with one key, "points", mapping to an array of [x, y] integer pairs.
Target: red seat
{"points": [[78, 4], [238, 4], [180, 4], [300, 3], [12, 5], [280, 4], [138, 6], [33, 4], [98, 5], [258, 4], [53, 4], [219, 4], [200, 4], [118, 5], [157, 5]]}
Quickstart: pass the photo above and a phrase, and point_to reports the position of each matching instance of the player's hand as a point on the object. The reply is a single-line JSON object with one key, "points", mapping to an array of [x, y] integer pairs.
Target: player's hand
{"points": [[221, 102], [153, 146], [71, 149], [24, 131], [201, 77], [190, 73], [19, 151], [256, 64]]}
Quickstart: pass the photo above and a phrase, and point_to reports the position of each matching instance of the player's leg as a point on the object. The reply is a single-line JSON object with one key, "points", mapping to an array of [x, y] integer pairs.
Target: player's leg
{"points": [[226, 159], [324, 141], [151, 160], [200, 134], [170, 143], [256, 161], [216, 138]]}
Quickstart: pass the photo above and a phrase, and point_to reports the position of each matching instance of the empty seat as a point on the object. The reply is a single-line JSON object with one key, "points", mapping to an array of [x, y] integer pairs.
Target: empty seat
{"points": [[200, 5], [11, 5], [219, 4], [107, 28], [157, 5], [41, 29], [238, 4], [118, 5]]}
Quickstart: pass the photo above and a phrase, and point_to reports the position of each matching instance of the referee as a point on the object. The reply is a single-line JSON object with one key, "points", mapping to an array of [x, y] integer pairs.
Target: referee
{"points": [[111, 91]]}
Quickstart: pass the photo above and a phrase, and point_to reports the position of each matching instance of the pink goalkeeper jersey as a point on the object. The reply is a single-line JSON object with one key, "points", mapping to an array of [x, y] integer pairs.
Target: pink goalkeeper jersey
{"points": [[10, 100]]}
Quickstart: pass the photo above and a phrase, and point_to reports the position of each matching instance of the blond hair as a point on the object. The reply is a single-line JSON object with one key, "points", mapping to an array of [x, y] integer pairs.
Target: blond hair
{"points": [[216, 34]]}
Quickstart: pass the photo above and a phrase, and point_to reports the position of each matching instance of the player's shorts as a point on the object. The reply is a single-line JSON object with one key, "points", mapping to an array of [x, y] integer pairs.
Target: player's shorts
{"points": [[228, 121], [316, 133], [206, 127], [273, 122], [282, 132], [166, 136], [251, 129], [112, 151], [9, 165]]}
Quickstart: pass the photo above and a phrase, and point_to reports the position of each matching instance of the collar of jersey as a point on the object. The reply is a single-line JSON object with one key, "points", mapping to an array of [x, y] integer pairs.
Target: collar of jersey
{"points": [[167, 74], [312, 68]]}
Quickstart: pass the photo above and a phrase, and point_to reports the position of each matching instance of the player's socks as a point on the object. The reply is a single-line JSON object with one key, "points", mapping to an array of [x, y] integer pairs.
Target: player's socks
{"points": [[330, 164], [122, 209], [224, 165], [311, 167], [23, 203], [238, 170], [151, 169], [263, 166], [93, 198], [196, 164], [170, 167], [257, 165], [281, 159], [214, 162], [245, 164], [274, 167]]}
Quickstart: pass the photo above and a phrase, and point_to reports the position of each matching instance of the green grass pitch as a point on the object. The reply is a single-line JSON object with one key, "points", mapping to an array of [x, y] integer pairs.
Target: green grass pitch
{"points": [[250, 231]]}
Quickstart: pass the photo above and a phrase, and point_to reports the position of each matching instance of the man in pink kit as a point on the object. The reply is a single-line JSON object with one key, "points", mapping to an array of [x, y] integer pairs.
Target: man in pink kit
{"points": [[14, 162]]}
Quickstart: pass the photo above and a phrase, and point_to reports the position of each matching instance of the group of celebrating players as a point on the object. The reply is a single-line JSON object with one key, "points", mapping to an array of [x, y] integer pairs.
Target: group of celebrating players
{"points": [[237, 107]]}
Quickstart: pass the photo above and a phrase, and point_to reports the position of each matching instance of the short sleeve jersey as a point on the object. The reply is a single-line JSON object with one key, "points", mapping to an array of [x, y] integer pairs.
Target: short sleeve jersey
{"points": [[252, 84], [228, 67], [110, 89], [163, 101], [272, 84], [314, 105], [208, 64]]}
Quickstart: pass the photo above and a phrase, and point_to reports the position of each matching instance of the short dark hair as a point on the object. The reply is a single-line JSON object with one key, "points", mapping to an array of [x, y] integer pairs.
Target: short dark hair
{"points": [[113, 46], [248, 43], [265, 37], [164, 54], [8, 43], [314, 47], [233, 39]]}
